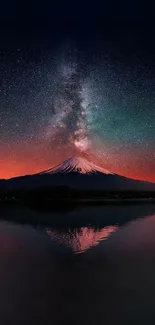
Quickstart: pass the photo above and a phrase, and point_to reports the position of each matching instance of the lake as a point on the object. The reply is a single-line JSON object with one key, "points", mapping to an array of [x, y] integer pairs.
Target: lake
{"points": [[83, 265]]}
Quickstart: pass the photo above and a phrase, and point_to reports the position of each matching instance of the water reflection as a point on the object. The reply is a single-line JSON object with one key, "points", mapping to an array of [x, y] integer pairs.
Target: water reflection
{"points": [[78, 228], [44, 283], [81, 239], [86, 227]]}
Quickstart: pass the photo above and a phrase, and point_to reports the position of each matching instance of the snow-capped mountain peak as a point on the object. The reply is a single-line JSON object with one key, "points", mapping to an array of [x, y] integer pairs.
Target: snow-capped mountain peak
{"points": [[76, 164]]}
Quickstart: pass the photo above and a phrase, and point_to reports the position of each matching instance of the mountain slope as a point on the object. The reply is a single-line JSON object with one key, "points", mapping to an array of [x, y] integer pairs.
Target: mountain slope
{"points": [[76, 164]]}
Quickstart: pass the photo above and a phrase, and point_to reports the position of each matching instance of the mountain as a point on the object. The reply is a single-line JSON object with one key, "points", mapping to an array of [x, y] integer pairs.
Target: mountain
{"points": [[77, 173], [76, 165]]}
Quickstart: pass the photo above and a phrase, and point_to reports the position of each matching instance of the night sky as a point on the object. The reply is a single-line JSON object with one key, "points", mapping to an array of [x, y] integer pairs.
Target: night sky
{"points": [[77, 78]]}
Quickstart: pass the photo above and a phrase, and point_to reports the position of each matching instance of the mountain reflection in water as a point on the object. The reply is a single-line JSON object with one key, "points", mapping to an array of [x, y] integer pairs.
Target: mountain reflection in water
{"points": [[81, 239], [44, 281], [78, 228]]}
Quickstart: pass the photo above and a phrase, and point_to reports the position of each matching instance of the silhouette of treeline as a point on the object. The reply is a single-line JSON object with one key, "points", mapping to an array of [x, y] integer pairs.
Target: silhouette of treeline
{"points": [[63, 192]]}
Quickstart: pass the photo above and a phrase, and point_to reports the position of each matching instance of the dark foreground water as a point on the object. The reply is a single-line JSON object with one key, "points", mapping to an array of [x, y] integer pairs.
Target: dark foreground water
{"points": [[92, 265]]}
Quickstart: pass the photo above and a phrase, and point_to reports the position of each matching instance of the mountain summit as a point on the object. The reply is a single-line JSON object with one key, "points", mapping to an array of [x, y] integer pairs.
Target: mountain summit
{"points": [[76, 165]]}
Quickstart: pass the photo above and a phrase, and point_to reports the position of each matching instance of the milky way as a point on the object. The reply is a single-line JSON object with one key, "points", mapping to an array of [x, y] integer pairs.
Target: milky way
{"points": [[71, 121]]}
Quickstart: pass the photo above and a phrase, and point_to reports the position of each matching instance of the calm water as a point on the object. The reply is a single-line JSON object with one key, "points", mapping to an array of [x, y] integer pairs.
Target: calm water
{"points": [[92, 265]]}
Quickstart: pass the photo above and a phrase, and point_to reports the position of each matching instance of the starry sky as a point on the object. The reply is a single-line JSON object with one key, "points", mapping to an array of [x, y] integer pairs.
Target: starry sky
{"points": [[77, 79]]}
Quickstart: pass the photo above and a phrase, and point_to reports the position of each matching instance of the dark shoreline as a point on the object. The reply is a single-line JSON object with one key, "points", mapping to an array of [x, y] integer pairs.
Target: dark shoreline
{"points": [[92, 200]]}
